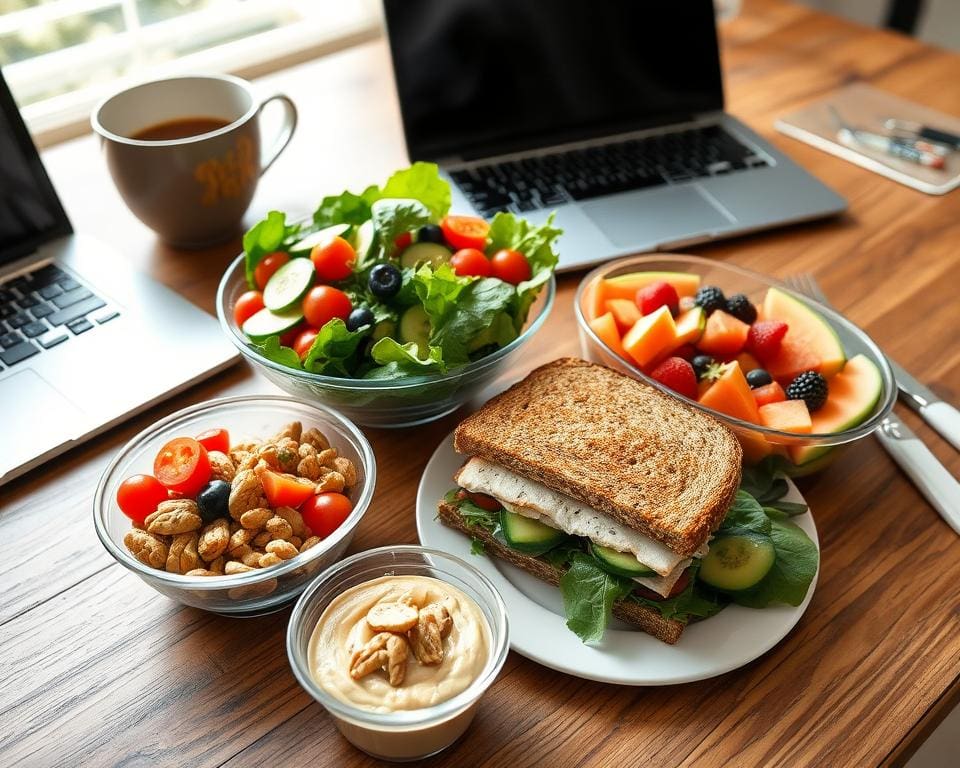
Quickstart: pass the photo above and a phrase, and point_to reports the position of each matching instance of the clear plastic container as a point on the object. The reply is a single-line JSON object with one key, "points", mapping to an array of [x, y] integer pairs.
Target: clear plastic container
{"points": [[412, 734], [257, 417], [758, 441], [389, 403]]}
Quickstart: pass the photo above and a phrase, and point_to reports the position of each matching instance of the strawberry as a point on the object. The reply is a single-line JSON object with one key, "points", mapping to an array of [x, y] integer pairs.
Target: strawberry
{"points": [[651, 297], [677, 374], [763, 340]]}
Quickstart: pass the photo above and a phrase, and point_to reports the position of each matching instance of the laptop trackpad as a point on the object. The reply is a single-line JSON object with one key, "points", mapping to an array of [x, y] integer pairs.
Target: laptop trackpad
{"points": [[648, 217], [35, 418]]}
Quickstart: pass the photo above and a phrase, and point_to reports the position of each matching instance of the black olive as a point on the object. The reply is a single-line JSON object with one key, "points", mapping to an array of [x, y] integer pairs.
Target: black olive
{"points": [[430, 233], [214, 500]]}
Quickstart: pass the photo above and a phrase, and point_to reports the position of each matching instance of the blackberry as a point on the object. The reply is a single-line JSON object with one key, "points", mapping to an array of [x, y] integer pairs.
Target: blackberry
{"points": [[810, 387], [758, 378], [700, 364], [710, 298], [740, 307]]}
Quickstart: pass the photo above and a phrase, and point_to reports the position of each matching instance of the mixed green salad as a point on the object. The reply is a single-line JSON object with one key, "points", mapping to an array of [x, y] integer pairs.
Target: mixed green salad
{"points": [[591, 586], [386, 283]]}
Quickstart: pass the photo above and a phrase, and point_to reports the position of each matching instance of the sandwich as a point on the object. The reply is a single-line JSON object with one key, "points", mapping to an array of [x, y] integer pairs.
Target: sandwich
{"points": [[611, 490]]}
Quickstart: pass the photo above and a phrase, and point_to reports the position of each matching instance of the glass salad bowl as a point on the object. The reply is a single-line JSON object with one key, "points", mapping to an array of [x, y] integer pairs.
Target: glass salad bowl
{"points": [[401, 402], [796, 454], [262, 590]]}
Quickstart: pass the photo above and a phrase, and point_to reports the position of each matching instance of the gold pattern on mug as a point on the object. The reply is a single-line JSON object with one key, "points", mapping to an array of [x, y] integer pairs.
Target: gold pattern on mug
{"points": [[227, 176]]}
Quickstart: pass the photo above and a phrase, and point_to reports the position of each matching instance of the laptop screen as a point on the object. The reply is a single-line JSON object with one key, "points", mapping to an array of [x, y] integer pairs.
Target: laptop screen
{"points": [[30, 212], [477, 77]]}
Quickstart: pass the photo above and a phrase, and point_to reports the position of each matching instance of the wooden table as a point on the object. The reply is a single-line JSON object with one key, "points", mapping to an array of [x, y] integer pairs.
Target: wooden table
{"points": [[97, 669]]}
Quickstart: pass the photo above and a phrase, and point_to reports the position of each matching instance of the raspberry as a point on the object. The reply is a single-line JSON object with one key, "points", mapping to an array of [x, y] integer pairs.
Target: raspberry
{"points": [[651, 297], [677, 374], [763, 340], [740, 307], [810, 387], [710, 298]]}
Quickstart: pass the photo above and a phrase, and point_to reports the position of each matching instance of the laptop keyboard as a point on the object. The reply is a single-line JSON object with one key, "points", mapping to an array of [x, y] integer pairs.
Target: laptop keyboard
{"points": [[542, 181], [42, 309]]}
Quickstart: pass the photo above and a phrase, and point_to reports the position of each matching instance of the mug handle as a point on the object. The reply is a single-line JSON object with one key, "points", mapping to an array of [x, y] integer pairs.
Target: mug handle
{"points": [[286, 130]]}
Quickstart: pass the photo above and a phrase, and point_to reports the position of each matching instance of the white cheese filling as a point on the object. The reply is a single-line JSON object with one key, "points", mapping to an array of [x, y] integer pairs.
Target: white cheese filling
{"points": [[535, 500]]}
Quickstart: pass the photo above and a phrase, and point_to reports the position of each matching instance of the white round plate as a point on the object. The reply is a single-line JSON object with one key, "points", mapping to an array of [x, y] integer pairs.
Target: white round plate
{"points": [[538, 630]]}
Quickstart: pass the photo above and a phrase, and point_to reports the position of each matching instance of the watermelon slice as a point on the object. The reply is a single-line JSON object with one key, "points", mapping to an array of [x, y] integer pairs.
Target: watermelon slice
{"points": [[809, 335]]}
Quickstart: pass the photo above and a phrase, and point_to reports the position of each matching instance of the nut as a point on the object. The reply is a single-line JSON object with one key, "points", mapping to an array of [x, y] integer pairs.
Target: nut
{"points": [[147, 548], [182, 554], [241, 538], [288, 454], [282, 549], [345, 467], [383, 651], [261, 539], [326, 457], [201, 572], [255, 518], [427, 637], [392, 617], [330, 481], [268, 453], [260, 589], [252, 558], [174, 516], [217, 565], [246, 492], [311, 542], [310, 468], [214, 539], [221, 466], [269, 559], [306, 450], [316, 438], [291, 431], [295, 519], [233, 567], [296, 541], [279, 528]]}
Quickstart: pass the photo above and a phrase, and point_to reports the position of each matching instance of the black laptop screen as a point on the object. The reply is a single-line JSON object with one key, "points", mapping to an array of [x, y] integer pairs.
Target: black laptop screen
{"points": [[479, 76], [30, 213]]}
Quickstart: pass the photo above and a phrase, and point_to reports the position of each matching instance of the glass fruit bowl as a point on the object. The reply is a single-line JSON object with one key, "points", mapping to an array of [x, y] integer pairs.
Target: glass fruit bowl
{"points": [[796, 454], [254, 416], [402, 402]]}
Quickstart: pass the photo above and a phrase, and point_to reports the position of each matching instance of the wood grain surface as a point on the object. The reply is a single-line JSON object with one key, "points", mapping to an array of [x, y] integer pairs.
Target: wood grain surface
{"points": [[97, 669]]}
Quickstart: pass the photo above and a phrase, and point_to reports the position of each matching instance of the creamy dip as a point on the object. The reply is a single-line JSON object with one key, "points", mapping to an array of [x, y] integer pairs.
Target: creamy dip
{"points": [[343, 629]]}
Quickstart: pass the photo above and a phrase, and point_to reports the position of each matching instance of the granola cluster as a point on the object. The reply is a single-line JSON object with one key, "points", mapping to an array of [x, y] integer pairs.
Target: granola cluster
{"points": [[402, 628], [182, 536]]}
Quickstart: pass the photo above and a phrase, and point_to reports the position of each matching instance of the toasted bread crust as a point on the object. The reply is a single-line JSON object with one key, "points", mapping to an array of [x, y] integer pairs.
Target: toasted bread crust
{"points": [[641, 616], [650, 461]]}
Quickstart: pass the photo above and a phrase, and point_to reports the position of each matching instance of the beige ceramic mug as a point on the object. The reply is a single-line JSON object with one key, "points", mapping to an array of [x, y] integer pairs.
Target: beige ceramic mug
{"points": [[185, 153]]}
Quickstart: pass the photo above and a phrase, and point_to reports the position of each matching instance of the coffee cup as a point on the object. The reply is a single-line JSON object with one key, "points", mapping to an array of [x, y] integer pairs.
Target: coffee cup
{"points": [[186, 155]]}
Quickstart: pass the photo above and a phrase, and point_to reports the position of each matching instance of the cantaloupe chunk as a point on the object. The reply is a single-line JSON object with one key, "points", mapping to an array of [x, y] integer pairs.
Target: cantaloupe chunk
{"points": [[724, 335], [650, 336], [786, 416], [747, 362], [731, 395], [625, 312], [690, 325], [605, 327]]}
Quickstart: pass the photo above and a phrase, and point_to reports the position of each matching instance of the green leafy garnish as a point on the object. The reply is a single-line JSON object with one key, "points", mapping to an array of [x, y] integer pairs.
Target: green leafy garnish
{"points": [[473, 514], [265, 237], [421, 181], [746, 512], [477, 546], [395, 360], [588, 594], [394, 216], [346, 208], [272, 350], [333, 350]]}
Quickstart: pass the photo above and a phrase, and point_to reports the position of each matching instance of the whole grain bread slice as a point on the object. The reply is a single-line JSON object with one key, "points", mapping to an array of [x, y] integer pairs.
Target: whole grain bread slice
{"points": [[650, 461], [641, 616]]}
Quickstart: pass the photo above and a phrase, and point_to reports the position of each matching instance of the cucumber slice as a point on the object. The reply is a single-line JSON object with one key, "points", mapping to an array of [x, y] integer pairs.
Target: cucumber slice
{"points": [[319, 238], [266, 323], [738, 560], [433, 254], [288, 285], [383, 329], [364, 240], [528, 535], [415, 327], [619, 563]]}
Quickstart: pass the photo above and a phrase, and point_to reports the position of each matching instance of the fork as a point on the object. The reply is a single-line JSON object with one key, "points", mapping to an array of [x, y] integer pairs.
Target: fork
{"points": [[930, 476]]}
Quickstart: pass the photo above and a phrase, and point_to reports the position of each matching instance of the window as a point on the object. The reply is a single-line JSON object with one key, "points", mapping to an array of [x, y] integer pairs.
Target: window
{"points": [[61, 56]]}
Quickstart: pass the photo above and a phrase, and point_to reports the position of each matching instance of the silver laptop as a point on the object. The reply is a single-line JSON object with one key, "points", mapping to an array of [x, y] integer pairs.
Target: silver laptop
{"points": [[85, 341], [609, 112]]}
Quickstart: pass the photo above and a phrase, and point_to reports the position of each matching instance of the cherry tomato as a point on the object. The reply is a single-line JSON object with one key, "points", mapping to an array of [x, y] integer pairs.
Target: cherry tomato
{"points": [[247, 306], [469, 262], [217, 439], [285, 490], [303, 342], [325, 512], [138, 496], [287, 339], [403, 240], [182, 465], [267, 266], [510, 266], [333, 259], [481, 500], [678, 587], [465, 231], [323, 303]]}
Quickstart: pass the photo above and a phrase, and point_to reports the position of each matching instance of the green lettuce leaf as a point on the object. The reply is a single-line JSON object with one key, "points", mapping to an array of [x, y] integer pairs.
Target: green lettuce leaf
{"points": [[264, 237], [473, 325], [396, 360], [392, 216], [333, 352], [746, 512], [693, 604], [272, 350], [588, 594], [421, 181], [792, 571], [438, 290], [473, 514], [346, 208]]}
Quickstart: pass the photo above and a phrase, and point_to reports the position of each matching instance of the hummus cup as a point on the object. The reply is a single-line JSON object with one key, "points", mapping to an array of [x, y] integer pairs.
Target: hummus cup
{"points": [[406, 735]]}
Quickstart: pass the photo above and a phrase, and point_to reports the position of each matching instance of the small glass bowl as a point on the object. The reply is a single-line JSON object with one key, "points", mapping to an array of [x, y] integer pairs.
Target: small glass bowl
{"points": [[257, 417], [758, 441], [412, 734], [403, 402]]}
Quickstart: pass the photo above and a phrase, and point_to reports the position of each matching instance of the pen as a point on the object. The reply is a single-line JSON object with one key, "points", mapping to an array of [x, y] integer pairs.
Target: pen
{"points": [[894, 147], [937, 136]]}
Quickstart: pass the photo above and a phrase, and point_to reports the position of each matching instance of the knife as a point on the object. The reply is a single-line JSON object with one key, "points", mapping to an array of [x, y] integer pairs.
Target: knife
{"points": [[942, 416], [929, 475]]}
